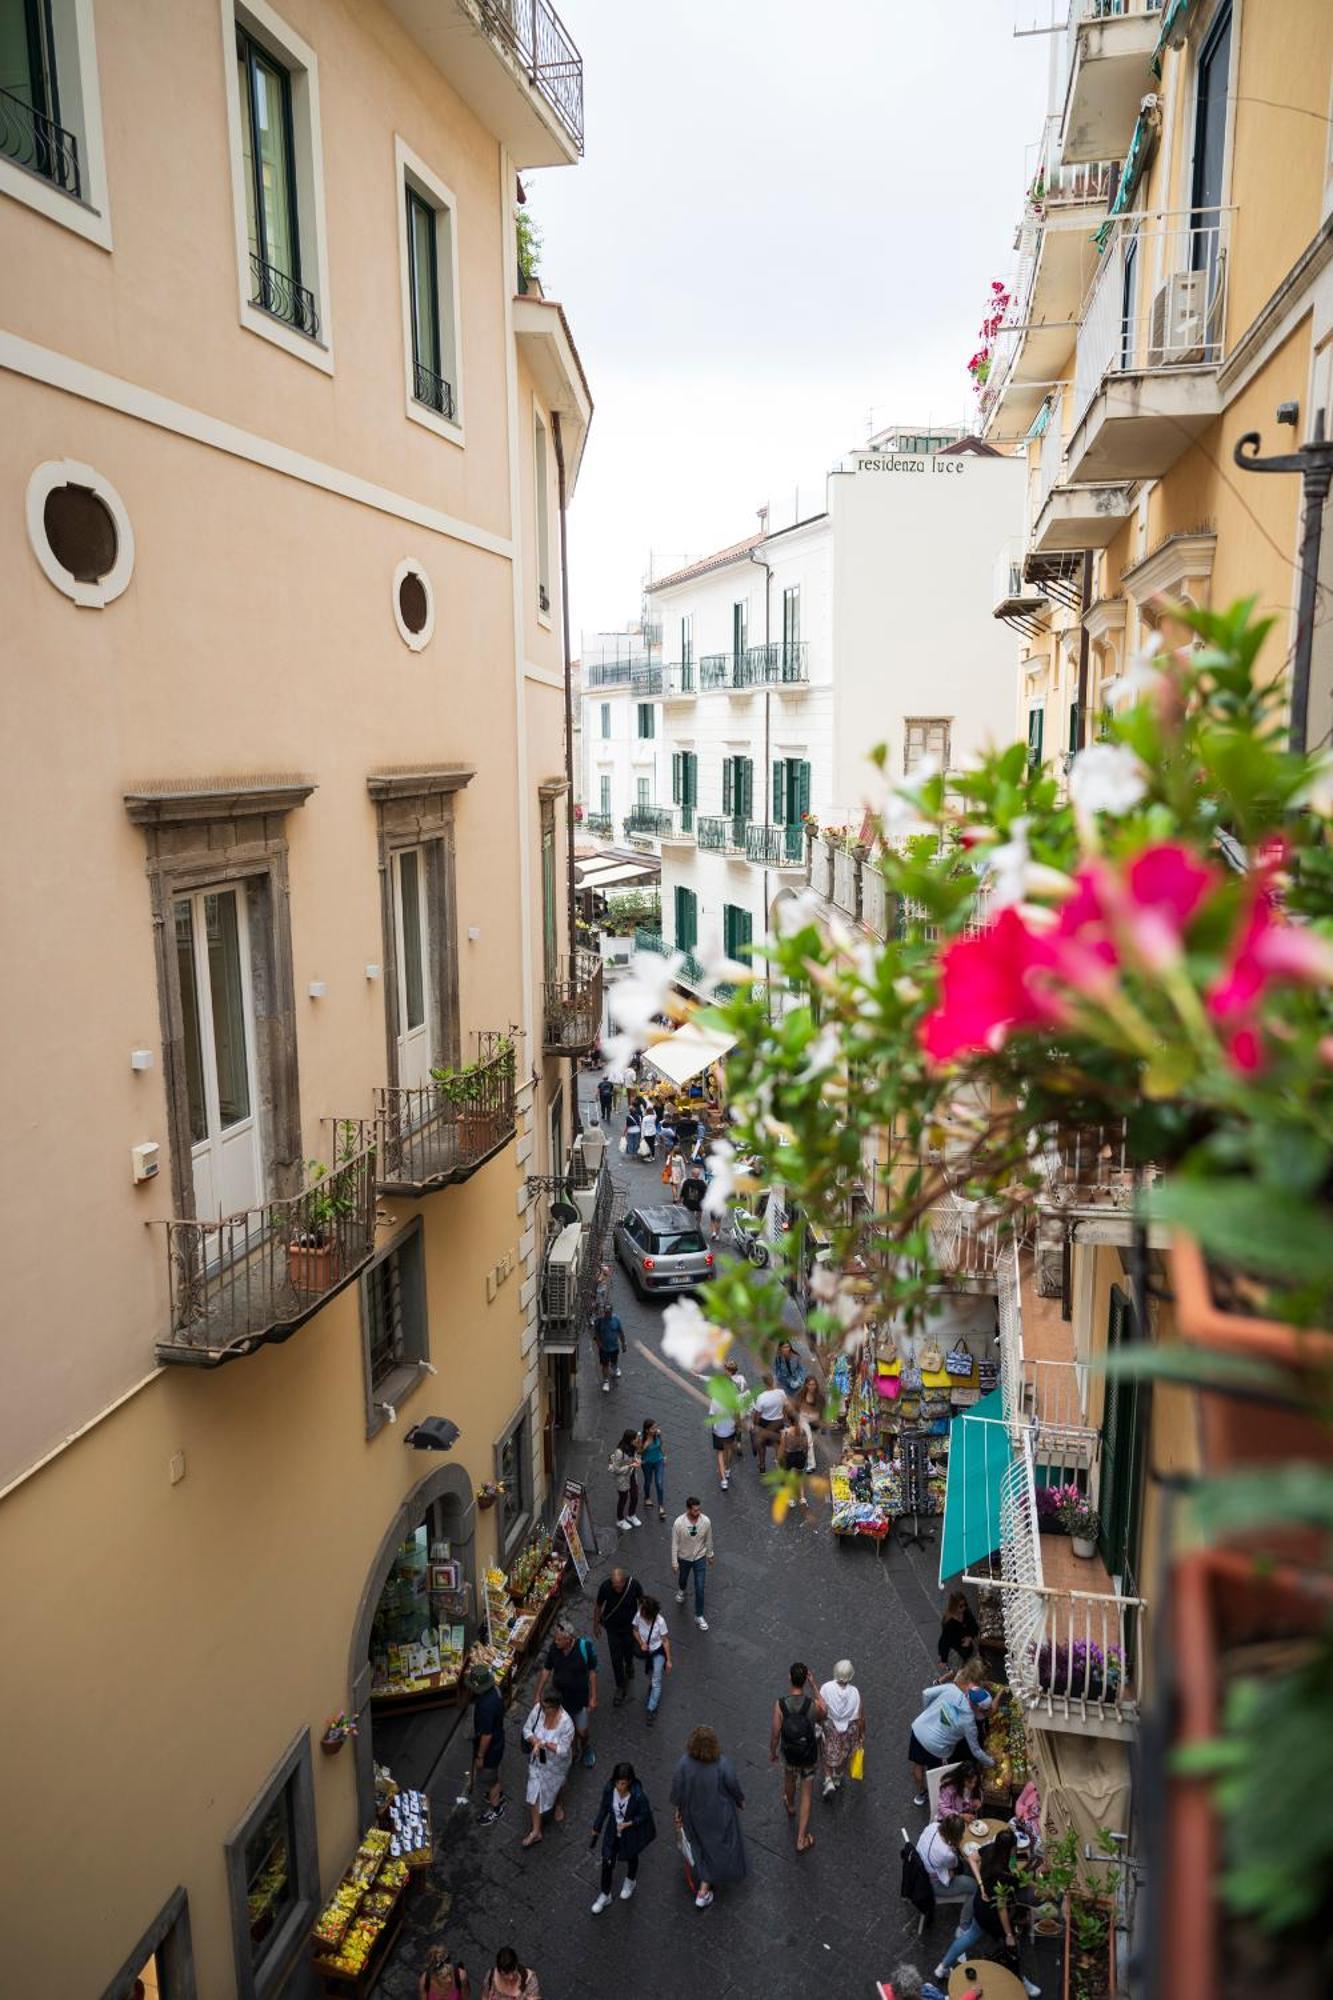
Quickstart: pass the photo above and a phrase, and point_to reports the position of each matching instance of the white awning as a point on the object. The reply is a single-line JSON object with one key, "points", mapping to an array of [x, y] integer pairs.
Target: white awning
{"points": [[623, 871], [690, 1049]]}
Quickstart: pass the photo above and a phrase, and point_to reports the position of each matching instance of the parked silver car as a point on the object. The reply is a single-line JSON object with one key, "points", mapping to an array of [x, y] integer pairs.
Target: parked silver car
{"points": [[662, 1250]]}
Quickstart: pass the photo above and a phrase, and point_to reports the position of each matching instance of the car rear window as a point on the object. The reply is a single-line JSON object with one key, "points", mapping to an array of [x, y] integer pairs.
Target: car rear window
{"points": [[682, 1243]]}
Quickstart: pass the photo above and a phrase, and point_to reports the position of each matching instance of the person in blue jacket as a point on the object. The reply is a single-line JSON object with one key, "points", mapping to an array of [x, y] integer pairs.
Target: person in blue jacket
{"points": [[625, 1825], [948, 1720]]}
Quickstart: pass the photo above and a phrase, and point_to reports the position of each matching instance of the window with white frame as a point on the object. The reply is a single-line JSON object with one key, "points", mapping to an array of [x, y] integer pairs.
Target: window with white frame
{"points": [[643, 791], [51, 153], [926, 736], [428, 257], [541, 487], [277, 181]]}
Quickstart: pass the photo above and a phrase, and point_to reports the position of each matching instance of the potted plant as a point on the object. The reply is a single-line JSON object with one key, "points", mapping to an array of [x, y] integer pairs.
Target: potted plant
{"points": [[1081, 1522], [336, 1732], [314, 1251]]}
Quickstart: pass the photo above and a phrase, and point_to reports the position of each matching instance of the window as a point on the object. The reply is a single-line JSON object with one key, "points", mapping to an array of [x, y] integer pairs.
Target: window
{"points": [[791, 619], [428, 264], [606, 721], [740, 628], [685, 786], [51, 156], [550, 901], [273, 1876], [737, 930], [647, 722], [925, 736], [213, 965], [277, 182], [1036, 723], [687, 919], [513, 1474], [1073, 728], [541, 481], [738, 786], [687, 641], [79, 530], [395, 1331], [413, 605], [415, 839], [643, 791], [604, 797], [791, 790]]}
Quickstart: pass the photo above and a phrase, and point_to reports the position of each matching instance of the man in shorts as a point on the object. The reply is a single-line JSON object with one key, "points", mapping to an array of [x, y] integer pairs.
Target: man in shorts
{"points": [[794, 1741], [488, 1739], [572, 1664]]}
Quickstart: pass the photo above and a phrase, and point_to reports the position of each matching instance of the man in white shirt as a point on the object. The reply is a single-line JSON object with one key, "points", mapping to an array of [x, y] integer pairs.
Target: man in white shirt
{"points": [[691, 1552], [724, 1415], [766, 1421]]}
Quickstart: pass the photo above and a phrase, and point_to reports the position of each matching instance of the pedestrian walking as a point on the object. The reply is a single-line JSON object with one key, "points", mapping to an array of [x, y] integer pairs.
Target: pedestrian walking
{"points": [[794, 1740], [488, 1739], [708, 1799], [794, 1451], [676, 1168], [767, 1421], [649, 1133], [618, 1597], [789, 1370], [724, 1412], [571, 1666], [601, 1298], [443, 1978], [993, 1904], [510, 1979], [948, 1719], [693, 1188], [633, 1129], [691, 1552], [548, 1737], [608, 1333], [652, 1464], [654, 1645], [810, 1416], [622, 1466], [625, 1826], [606, 1092], [959, 1632], [844, 1725]]}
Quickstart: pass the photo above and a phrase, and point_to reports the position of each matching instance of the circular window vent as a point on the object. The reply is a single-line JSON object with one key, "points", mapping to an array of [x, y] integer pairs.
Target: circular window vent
{"points": [[80, 532], [413, 605]]}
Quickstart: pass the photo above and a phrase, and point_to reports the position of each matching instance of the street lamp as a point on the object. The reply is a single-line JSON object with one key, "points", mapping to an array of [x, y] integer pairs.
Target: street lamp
{"points": [[1314, 462]]}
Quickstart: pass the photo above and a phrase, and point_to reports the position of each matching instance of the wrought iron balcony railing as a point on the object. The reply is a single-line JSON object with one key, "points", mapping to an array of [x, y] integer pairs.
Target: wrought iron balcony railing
{"points": [[32, 140], [722, 835], [256, 1276], [572, 1006], [276, 293], [775, 846], [600, 825], [655, 820], [682, 680], [647, 679], [433, 390], [682, 825], [781, 661], [441, 1132], [608, 673], [714, 671], [536, 36]]}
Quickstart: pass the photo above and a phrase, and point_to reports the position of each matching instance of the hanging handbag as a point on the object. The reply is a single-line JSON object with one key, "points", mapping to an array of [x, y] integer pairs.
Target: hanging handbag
{"points": [[958, 1361], [932, 1361]]}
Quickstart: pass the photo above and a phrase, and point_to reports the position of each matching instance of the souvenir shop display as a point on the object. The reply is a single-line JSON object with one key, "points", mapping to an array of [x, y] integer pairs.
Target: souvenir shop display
{"points": [[899, 1406], [356, 1929], [418, 1647], [519, 1607], [410, 1836], [1006, 1742]]}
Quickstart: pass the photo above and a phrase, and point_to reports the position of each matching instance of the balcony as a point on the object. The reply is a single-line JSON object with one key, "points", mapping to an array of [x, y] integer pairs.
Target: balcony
{"points": [[1152, 339], [440, 1133], [513, 63], [572, 1006], [609, 673], [681, 681], [437, 394], [781, 663], [274, 292], [646, 681], [257, 1276], [1110, 47], [648, 822], [721, 834], [1015, 601], [776, 846], [600, 825], [32, 140], [821, 867], [715, 671], [965, 1242], [680, 833]]}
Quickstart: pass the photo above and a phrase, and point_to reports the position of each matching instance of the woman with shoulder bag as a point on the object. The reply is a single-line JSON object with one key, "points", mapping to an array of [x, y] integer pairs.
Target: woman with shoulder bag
{"points": [[625, 1826]]}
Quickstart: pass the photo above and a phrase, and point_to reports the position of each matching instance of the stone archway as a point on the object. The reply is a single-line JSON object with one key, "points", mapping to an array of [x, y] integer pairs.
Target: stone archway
{"points": [[450, 1488]]}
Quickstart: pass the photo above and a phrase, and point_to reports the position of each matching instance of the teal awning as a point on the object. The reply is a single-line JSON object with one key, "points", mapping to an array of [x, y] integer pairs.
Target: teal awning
{"points": [[1175, 13], [1131, 173], [979, 1456]]}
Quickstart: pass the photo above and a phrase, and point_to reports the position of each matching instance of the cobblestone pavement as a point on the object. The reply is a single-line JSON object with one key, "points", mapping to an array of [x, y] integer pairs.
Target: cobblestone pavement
{"points": [[830, 1921]]}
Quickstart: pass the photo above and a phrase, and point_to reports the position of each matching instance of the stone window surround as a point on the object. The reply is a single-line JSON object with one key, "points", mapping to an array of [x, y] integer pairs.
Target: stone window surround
{"points": [[415, 808], [257, 1983], [518, 1426], [397, 1387], [229, 835], [169, 1936]]}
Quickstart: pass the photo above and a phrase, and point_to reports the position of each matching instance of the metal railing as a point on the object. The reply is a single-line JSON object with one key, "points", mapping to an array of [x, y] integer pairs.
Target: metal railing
{"points": [[847, 882], [32, 140], [600, 824], [274, 292], [721, 833], [714, 671], [1009, 586], [682, 824], [655, 820], [432, 389], [821, 868], [647, 678], [681, 680], [1159, 299], [533, 32], [874, 900], [964, 1241], [443, 1131], [780, 661], [572, 1006], [608, 673], [1088, 1159], [256, 1275], [775, 846]]}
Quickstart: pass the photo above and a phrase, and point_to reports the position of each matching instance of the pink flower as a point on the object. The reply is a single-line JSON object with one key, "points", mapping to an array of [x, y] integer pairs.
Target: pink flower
{"points": [[987, 989], [1268, 949], [1245, 1050]]}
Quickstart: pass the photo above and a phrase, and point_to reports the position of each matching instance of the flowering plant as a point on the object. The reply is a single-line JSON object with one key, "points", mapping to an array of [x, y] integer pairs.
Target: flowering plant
{"points": [[1080, 1668], [1077, 1517], [1051, 1502], [339, 1727]]}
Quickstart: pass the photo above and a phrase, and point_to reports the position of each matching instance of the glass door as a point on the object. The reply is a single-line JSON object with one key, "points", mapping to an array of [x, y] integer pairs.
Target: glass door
{"points": [[411, 940], [213, 964]]}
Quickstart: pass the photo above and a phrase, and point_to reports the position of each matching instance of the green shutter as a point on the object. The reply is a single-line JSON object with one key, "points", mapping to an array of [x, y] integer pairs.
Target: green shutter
{"points": [[727, 784], [687, 920], [1036, 720], [744, 787], [690, 778], [779, 814], [802, 789], [676, 792], [1073, 725]]}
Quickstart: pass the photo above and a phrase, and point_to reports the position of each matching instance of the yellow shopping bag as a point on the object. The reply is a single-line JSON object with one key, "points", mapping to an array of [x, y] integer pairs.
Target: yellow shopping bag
{"points": [[856, 1763]]}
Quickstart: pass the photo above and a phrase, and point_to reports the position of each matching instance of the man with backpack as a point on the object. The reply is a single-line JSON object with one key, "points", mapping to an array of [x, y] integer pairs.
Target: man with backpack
{"points": [[795, 1736], [572, 1664]]}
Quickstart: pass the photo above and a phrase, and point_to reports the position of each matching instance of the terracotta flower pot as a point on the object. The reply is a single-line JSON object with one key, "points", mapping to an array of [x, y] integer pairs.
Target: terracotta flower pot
{"points": [[314, 1267]]}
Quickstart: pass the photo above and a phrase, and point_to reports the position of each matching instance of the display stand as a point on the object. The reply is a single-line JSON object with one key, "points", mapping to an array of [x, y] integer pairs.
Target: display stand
{"points": [[358, 1928], [914, 1456], [578, 1507]]}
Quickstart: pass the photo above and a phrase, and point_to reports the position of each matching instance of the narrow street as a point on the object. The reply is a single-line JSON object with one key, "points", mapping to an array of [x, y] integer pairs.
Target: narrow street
{"points": [[830, 1920]]}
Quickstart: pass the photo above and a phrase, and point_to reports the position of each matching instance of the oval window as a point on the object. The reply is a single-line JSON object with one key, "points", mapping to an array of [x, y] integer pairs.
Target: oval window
{"points": [[413, 605]]}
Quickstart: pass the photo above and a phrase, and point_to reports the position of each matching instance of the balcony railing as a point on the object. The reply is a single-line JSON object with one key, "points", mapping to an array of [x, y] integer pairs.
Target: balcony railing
{"points": [[441, 1132], [775, 846], [537, 37], [682, 826], [682, 681], [781, 662], [608, 673], [432, 389], [572, 1006], [721, 834], [257, 1275], [965, 1241], [874, 900], [1045, 1395], [274, 292], [1158, 301], [600, 825], [821, 868], [714, 671], [647, 679], [1092, 1161], [847, 882], [32, 140], [651, 820]]}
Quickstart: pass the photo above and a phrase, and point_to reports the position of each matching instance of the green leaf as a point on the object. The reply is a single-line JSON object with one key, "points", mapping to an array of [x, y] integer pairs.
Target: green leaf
{"points": [[1272, 1237]]}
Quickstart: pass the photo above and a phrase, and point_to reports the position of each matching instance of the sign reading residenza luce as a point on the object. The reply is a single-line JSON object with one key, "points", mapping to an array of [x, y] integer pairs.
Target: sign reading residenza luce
{"points": [[890, 462]]}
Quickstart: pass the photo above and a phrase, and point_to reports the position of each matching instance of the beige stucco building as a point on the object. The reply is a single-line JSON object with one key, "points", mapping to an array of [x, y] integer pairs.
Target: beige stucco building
{"points": [[286, 450]]}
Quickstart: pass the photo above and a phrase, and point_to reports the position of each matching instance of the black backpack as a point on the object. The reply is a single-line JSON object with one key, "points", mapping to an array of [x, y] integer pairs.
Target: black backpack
{"points": [[800, 1745]]}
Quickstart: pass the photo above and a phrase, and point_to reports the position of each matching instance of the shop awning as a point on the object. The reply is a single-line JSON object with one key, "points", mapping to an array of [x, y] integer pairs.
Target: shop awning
{"points": [[624, 871], [979, 1456], [690, 1049]]}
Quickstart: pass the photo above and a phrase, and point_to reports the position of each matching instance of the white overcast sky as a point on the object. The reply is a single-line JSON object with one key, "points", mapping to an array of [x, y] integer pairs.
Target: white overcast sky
{"points": [[789, 214]]}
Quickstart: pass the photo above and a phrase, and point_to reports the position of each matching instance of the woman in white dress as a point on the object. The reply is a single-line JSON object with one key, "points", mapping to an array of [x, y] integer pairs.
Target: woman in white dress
{"points": [[844, 1725], [548, 1734]]}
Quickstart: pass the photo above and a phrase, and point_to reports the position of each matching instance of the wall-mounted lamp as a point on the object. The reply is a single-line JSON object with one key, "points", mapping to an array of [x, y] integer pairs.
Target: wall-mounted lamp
{"points": [[433, 1434], [141, 1058], [372, 972]]}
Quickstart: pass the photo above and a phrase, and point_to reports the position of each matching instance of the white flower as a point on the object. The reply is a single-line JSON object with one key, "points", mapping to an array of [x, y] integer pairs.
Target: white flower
{"points": [[721, 1158], [634, 1003], [1106, 777], [715, 966], [824, 1283], [616, 1053], [690, 1340], [795, 913], [820, 1055], [1140, 677], [1008, 868]]}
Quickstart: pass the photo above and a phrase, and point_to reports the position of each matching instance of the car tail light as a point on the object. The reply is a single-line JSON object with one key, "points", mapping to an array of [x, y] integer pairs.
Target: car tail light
{"points": [[648, 1264], [708, 1259]]}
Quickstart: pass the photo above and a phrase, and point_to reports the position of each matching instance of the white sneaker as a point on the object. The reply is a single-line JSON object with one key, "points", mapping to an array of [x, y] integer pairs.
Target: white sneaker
{"points": [[1031, 1989], [680, 1597], [606, 1388], [628, 1890], [603, 1903], [702, 1623], [725, 1482], [634, 1520]]}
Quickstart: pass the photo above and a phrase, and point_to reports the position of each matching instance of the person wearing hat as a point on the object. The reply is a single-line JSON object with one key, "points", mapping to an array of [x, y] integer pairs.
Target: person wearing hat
{"points": [[949, 1718], [488, 1739]]}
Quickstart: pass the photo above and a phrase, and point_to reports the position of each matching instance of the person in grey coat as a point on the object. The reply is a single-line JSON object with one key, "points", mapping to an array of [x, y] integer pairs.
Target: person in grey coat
{"points": [[708, 1798]]}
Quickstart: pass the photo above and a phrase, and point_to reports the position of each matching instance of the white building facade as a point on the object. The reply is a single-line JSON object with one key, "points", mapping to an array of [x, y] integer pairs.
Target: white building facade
{"points": [[791, 655], [622, 746]]}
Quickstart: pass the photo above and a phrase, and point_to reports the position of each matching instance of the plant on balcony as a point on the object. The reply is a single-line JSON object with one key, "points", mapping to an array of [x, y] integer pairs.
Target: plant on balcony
{"points": [[459, 1087], [314, 1251], [979, 367], [1081, 1669], [1051, 1503], [1080, 1521], [527, 246]]}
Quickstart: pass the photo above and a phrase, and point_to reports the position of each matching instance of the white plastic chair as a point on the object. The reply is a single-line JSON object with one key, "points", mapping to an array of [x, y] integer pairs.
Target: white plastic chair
{"points": [[934, 1779]]}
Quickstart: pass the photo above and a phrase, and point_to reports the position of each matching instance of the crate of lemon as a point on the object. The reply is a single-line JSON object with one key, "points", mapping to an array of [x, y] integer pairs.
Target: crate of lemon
{"points": [[355, 1928]]}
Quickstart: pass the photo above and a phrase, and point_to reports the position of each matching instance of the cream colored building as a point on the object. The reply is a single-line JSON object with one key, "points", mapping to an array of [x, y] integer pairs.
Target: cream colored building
{"points": [[285, 455]]}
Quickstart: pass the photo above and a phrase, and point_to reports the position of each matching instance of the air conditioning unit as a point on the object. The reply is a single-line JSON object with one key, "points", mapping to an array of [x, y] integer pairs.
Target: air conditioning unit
{"points": [[593, 1142], [560, 1286], [1176, 325]]}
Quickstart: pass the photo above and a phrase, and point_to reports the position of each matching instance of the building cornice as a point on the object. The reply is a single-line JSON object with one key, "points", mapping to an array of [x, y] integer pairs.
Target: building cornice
{"points": [[424, 781], [1179, 558], [187, 801]]}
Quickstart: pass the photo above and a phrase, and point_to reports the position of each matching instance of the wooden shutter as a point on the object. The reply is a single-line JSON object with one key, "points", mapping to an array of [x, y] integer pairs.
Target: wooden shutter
{"points": [[802, 792], [688, 936], [728, 783], [1124, 1442], [744, 787], [1073, 725], [779, 792], [689, 771]]}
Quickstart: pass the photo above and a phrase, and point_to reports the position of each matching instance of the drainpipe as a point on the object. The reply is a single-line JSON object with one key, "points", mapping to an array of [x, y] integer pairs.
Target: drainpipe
{"points": [[558, 442], [1085, 602], [766, 776]]}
